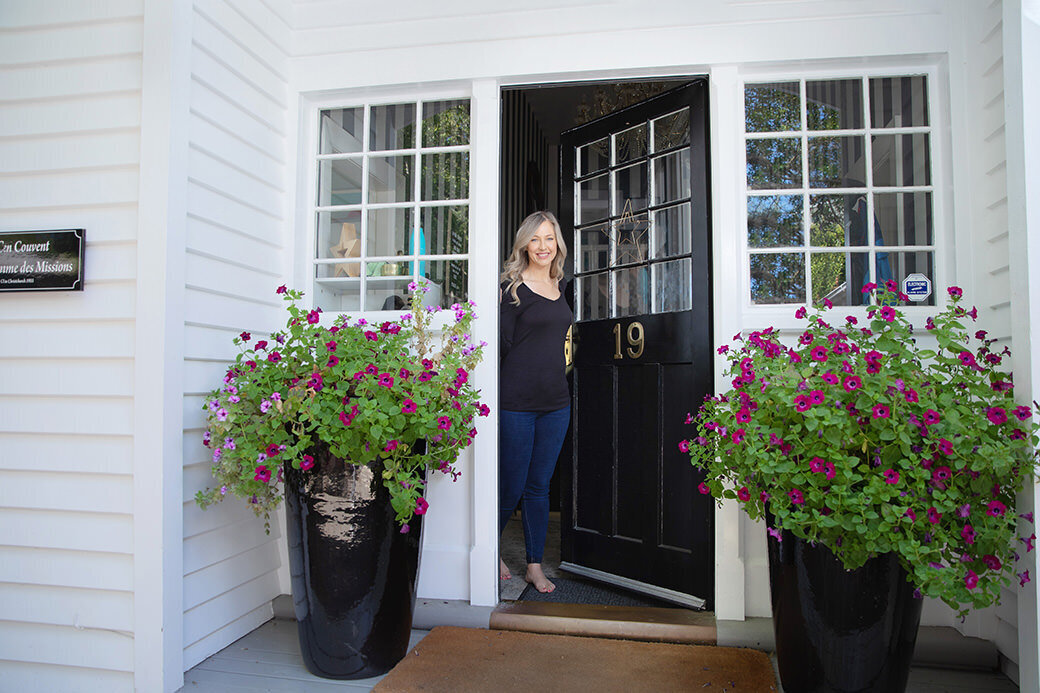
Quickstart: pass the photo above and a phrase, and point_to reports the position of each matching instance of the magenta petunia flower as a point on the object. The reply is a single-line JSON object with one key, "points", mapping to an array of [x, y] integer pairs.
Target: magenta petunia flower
{"points": [[911, 514], [331, 346], [830, 378], [828, 470], [868, 287], [703, 488], [816, 464], [723, 349], [333, 361], [386, 380], [408, 406], [684, 446], [443, 423], [819, 353], [934, 515], [421, 506], [968, 534], [314, 316], [744, 494], [806, 338], [405, 529], [891, 476], [1023, 578], [955, 292], [931, 417], [484, 410], [967, 358], [390, 446], [800, 313], [274, 357], [801, 403], [1022, 413], [280, 289], [262, 474], [796, 496], [887, 313], [945, 446], [262, 344], [371, 336], [816, 396], [245, 336], [852, 382], [744, 415], [880, 411], [996, 415], [941, 473], [971, 580], [995, 508], [307, 462], [991, 561], [272, 450], [738, 436]]}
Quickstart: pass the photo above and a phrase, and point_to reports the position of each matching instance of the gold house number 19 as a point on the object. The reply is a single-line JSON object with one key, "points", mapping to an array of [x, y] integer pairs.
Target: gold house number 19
{"points": [[634, 335]]}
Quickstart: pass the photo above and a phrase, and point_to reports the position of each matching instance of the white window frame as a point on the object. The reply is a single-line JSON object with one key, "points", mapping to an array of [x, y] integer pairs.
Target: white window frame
{"points": [[306, 243], [943, 236]]}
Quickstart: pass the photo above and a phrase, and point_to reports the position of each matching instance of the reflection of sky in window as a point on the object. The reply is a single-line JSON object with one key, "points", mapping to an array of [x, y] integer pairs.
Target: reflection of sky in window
{"points": [[774, 221]]}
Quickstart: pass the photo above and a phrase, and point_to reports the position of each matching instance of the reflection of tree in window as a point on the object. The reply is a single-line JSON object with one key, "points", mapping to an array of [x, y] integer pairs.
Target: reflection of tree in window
{"points": [[778, 278]]}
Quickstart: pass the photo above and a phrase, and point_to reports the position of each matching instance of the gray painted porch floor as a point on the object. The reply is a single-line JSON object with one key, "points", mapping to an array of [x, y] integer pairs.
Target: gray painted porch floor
{"points": [[268, 659]]}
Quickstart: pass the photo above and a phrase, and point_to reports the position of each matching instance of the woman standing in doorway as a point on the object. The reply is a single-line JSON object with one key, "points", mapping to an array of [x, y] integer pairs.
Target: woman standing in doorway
{"points": [[535, 402]]}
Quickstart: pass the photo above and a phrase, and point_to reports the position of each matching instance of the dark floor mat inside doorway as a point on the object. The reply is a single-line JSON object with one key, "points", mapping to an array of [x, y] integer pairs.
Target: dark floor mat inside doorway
{"points": [[579, 591]]}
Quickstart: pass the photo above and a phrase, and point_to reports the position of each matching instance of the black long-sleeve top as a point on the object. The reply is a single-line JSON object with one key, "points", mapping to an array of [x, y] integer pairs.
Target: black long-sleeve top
{"points": [[532, 338]]}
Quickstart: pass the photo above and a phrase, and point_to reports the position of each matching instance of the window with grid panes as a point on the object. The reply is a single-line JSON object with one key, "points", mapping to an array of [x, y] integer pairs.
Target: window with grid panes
{"points": [[392, 204], [839, 188]]}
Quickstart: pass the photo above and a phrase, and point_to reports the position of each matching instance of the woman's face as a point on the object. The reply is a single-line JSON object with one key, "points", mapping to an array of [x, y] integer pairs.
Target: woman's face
{"points": [[541, 249]]}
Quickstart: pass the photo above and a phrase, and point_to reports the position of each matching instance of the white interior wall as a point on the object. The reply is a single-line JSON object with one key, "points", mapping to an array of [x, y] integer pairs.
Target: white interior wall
{"points": [[237, 250], [70, 117]]}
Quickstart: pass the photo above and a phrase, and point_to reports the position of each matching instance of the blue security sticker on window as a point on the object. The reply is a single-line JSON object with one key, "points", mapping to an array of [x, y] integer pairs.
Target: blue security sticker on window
{"points": [[917, 287]]}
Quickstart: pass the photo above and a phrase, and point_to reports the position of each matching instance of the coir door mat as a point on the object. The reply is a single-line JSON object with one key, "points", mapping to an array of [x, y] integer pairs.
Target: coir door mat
{"points": [[473, 659]]}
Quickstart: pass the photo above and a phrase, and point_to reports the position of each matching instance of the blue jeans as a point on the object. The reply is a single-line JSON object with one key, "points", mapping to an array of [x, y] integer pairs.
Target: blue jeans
{"points": [[529, 443]]}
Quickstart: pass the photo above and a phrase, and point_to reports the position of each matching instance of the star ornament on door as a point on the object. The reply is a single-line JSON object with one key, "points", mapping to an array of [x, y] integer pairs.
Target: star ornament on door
{"points": [[628, 234]]}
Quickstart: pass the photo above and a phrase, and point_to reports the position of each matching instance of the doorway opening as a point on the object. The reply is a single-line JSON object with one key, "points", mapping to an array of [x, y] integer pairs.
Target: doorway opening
{"points": [[540, 171]]}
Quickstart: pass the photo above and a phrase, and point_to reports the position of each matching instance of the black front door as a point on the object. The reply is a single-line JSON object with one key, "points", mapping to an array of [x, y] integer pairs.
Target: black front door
{"points": [[635, 204]]}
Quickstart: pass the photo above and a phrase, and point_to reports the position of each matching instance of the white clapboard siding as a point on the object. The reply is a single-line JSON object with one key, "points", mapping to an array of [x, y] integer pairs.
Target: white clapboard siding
{"points": [[987, 178], [32, 489], [66, 568], [39, 338], [98, 454], [66, 606], [86, 531], [237, 238], [83, 377], [70, 75], [30, 676]]}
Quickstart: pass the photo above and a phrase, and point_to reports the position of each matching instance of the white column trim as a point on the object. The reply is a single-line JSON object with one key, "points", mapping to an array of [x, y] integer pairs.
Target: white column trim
{"points": [[726, 131], [158, 350], [484, 253], [1021, 40]]}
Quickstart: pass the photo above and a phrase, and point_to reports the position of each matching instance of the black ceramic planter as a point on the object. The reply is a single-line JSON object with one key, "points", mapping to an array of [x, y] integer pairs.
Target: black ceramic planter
{"points": [[839, 630], [353, 572]]}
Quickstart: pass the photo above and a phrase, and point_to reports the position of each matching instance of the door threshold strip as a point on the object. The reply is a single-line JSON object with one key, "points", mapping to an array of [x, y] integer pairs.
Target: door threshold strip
{"points": [[652, 624]]}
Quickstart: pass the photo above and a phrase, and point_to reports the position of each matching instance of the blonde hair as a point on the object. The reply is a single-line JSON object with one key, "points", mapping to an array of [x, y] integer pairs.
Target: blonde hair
{"points": [[517, 262]]}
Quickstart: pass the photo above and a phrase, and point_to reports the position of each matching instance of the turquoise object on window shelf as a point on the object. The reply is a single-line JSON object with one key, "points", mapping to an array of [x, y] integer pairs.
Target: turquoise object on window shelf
{"points": [[422, 251]]}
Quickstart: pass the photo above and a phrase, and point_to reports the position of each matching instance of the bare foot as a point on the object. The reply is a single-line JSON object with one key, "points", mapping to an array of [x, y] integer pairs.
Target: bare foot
{"points": [[503, 571], [537, 578]]}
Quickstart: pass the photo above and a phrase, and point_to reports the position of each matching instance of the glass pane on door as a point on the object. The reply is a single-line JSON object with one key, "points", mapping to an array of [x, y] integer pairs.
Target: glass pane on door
{"points": [[672, 177], [631, 291], [593, 201], [594, 297], [593, 157], [672, 286]]}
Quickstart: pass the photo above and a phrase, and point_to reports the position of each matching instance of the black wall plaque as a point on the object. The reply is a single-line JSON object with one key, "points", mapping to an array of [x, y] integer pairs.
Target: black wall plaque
{"points": [[41, 260]]}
